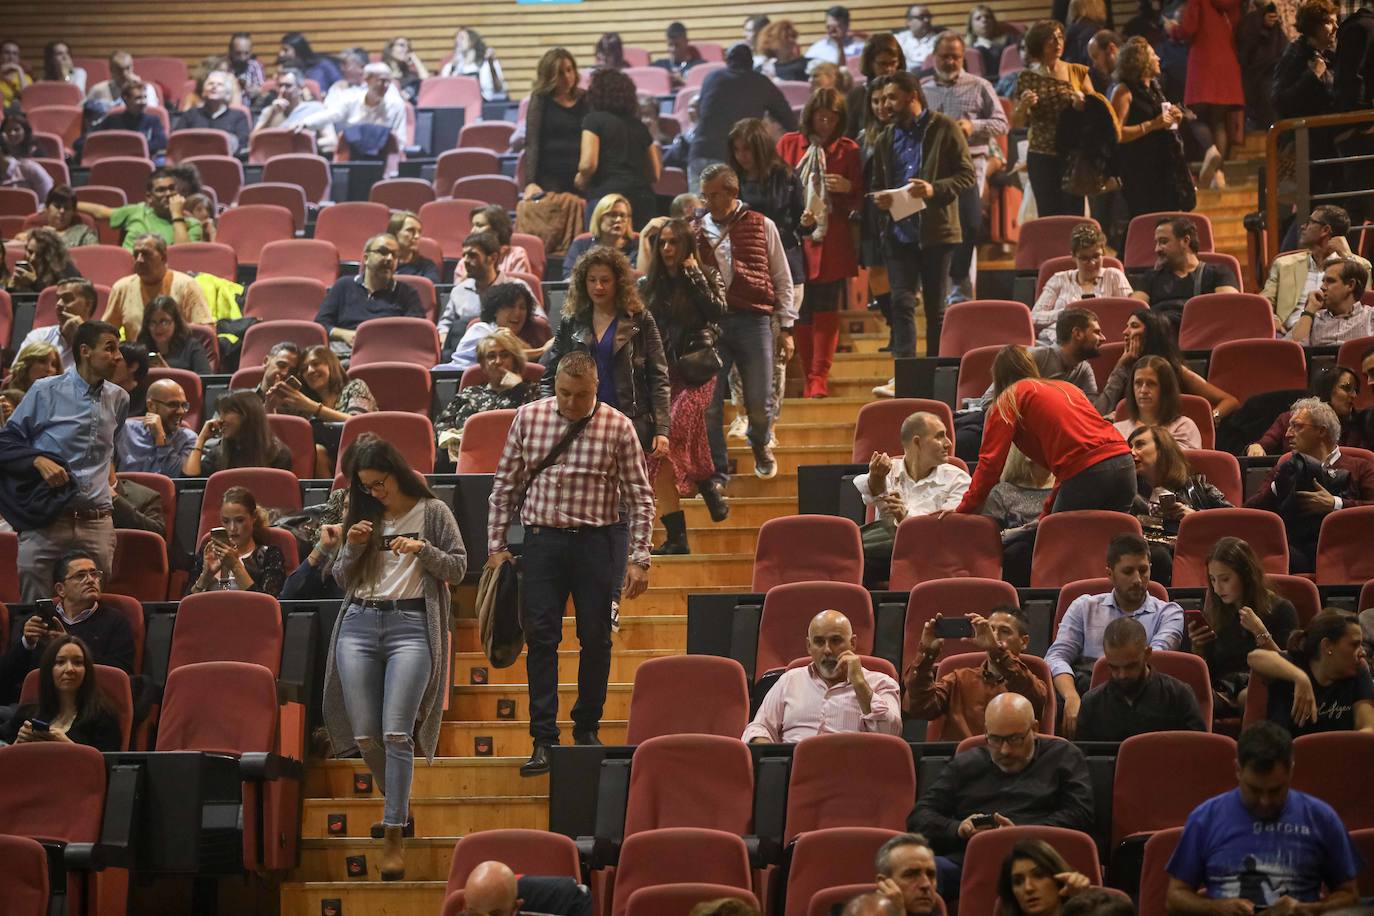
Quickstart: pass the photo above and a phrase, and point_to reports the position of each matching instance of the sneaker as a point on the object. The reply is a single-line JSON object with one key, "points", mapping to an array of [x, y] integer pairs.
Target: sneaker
{"points": [[739, 428], [888, 390], [765, 464]]}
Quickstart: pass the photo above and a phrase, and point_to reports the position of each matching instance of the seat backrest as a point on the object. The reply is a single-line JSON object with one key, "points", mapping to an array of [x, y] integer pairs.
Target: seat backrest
{"points": [[63, 120], [682, 898], [131, 609], [313, 258], [26, 876], [983, 323], [479, 451], [1303, 594], [822, 792], [296, 298], [400, 386], [1199, 532], [451, 92], [396, 339], [53, 790], [1213, 318], [1143, 803], [219, 707], [1072, 591], [424, 288], [488, 135], [248, 228], [268, 142], [227, 627], [830, 858], [534, 249], [140, 565], [1140, 236], [1245, 368], [1328, 764], [1154, 880], [299, 437], [985, 852], [261, 337], [188, 143], [879, 423], [127, 173], [957, 545], [273, 488], [1343, 546], [310, 172], [935, 727], [1045, 238], [9, 568], [691, 781], [18, 202], [1184, 666], [402, 193], [223, 173], [215, 258], [674, 855], [460, 163], [1198, 409], [527, 852], [113, 684], [975, 372], [833, 551], [448, 221], [688, 694], [103, 263], [1348, 357], [412, 433], [190, 383], [349, 226], [951, 597], [1073, 545], [788, 609], [277, 193]]}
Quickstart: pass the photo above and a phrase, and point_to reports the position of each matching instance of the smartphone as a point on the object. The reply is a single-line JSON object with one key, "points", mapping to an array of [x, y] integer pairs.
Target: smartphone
{"points": [[1088, 296], [1196, 619], [39, 725], [293, 382], [45, 608], [983, 820], [1167, 501], [220, 535], [21, 265], [954, 628]]}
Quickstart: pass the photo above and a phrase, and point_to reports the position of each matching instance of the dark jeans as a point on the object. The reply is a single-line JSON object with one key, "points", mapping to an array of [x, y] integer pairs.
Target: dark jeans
{"points": [[1046, 177], [909, 268], [558, 563], [1110, 484], [970, 224]]}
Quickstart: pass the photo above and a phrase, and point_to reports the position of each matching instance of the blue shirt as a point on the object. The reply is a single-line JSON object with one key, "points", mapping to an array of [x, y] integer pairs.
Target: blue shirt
{"points": [[1236, 855], [138, 451], [604, 353], [907, 153], [1080, 632], [64, 416]]}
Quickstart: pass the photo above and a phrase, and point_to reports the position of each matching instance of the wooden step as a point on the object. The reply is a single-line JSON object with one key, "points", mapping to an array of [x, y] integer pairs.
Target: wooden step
{"points": [[445, 777], [470, 703], [427, 859], [722, 538], [660, 601], [624, 663], [794, 433], [363, 898], [790, 457], [834, 409], [855, 365], [445, 816], [750, 511], [508, 738], [666, 632], [703, 569], [863, 387], [744, 483]]}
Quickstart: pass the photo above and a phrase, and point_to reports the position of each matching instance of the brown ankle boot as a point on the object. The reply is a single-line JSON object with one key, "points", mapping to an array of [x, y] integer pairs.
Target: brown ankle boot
{"points": [[393, 863]]}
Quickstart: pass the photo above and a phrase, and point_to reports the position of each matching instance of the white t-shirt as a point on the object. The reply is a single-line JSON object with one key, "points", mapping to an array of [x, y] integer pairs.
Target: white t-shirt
{"points": [[401, 576]]}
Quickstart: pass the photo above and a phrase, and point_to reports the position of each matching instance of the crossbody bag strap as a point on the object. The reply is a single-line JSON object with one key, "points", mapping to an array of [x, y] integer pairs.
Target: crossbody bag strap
{"points": [[573, 432]]}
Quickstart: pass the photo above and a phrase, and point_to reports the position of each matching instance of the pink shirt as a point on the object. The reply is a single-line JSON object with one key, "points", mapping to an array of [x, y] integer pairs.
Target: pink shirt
{"points": [[801, 705]]}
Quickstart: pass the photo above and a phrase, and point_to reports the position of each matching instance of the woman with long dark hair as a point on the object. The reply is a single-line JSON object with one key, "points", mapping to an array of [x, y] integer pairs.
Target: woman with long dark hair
{"points": [[165, 333], [1035, 880], [617, 154], [69, 702], [882, 56], [552, 138], [296, 52], [473, 57], [1243, 613], [1337, 386], [1153, 400], [384, 674], [46, 262], [58, 65], [687, 303], [407, 69], [238, 438], [1149, 333], [1320, 685], [239, 561]]}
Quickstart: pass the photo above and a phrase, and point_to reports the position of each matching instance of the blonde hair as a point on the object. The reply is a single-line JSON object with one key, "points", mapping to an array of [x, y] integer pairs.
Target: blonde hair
{"points": [[30, 355], [1019, 469], [1010, 367], [504, 338], [603, 206]]}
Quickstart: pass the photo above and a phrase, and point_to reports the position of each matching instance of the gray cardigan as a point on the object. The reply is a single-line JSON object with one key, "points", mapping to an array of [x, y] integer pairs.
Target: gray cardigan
{"points": [[445, 560]]}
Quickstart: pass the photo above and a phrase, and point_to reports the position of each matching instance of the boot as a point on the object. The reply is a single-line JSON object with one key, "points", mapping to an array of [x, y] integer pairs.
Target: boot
{"points": [[393, 862], [825, 338], [802, 337], [676, 543]]}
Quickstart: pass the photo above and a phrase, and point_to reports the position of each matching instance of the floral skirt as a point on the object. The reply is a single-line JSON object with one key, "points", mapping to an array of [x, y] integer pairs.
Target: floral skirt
{"points": [[688, 448]]}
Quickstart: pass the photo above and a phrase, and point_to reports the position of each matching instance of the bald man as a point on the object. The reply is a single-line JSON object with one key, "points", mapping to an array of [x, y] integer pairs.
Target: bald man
{"points": [[835, 693], [1017, 778], [157, 442], [493, 890], [872, 904]]}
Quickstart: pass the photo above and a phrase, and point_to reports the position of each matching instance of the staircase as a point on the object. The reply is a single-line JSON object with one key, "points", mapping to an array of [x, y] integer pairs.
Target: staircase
{"points": [[474, 783]]}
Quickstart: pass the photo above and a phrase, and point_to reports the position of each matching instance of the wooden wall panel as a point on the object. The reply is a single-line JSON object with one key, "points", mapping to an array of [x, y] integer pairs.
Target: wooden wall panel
{"points": [[519, 33]]}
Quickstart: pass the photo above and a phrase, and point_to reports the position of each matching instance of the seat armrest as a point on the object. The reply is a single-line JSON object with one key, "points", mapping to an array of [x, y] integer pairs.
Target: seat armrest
{"points": [[598, 852], [265, 767], [763, 851]]}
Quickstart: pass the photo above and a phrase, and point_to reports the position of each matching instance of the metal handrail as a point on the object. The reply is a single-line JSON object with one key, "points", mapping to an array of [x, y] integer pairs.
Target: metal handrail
{"points": [[1301, 127]]}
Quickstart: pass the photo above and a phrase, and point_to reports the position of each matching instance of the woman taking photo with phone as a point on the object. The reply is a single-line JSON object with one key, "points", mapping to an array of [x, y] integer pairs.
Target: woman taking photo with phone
{"points": [[70, 708], [384, 675], [238, 438], [233, 558]]}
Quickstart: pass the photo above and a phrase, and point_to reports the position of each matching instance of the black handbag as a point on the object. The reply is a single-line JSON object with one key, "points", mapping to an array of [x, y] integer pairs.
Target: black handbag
{"points": [[699, 362]]}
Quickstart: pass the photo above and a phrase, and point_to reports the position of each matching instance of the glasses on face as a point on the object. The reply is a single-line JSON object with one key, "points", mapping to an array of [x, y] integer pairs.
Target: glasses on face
{"points": [[382, 252], [172, 405], [85, 575], [378, 486], [1005, 740]]}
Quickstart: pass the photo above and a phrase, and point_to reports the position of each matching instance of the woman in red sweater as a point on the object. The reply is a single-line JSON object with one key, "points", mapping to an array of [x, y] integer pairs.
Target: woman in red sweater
{"points": [[1057, 427], [827, 162]]}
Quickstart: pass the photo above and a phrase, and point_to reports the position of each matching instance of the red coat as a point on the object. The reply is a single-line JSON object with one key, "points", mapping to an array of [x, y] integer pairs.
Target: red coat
{"points": [[1213, 70], [834, 258]]}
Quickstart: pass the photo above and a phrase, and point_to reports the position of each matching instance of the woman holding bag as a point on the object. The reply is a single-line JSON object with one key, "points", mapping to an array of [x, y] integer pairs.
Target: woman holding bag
{"points": [[686, 302]]}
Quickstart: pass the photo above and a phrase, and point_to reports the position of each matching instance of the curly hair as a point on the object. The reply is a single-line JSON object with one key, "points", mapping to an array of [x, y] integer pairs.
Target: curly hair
{"points": [[1312, 15], [503, 296], [612, 91], [579, 304], [775, 35], [1085, 236], [50, 257], [1132, 60]]}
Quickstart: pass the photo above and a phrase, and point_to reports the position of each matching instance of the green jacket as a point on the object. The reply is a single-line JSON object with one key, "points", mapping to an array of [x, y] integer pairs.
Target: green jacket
{"points": [[945, 163]]}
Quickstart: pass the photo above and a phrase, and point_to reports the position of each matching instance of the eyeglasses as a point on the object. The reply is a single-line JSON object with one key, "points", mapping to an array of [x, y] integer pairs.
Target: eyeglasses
{"points": [[85, 575], [382, 252], [174, 405], [374, 488], [1004, 740]]}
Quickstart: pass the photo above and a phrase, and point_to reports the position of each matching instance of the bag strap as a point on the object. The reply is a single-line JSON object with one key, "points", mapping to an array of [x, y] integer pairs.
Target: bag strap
{"points": [[562, 446]]}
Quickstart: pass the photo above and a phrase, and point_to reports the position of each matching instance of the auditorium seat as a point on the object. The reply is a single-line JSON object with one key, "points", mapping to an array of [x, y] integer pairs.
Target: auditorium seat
{"points": [[222, 173], [424, 288], [411, 433], [1045, 238], [398, 339], [799, 548], [45, 312], [166, 490], [190, 383], [1073, 545], [832, 899], [64, 121], [677, 855], [129, 174], [680, 898], [688, 694], [1348, 357], [534, 249], [1143, 803], [1215, 318], [188, 143], [494, 189], [140, 565], [452, 92], [248, 228], [1332, 766], [787, 612], [132, 612], [983, 323], [975, 373], [314, 259], [25, 874], [267, 143], [448, 221], [1343, 554], [349, 225], [823, 792], [462, 163], [1198, 532], [397, 386], [234, 626], [488, 135], [113, 684], [877, 428], [1245, 368], [103, 264], [214, 258], [986, 850], [955, 546], [1072, 591], [1302, 592], [279, 194], [273, 488], [1036, 664], [834, 857], [18, 202], [1108, 355], [261, 337], [296, 298], [1221, 469], [1140, 236], [50, 92], [526, 852], [1185, 666], [310, 172], [402, 193], [484, 438], [964, 595], [691, 781], [1154, 880]]}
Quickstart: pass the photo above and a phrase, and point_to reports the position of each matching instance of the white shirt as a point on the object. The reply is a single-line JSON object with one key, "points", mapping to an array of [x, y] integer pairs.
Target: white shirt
{"points": [[1062, 291], [918, 49], [465, 303], [51, 334], [778, 270], [400, 575], [346, 105], [942, 488], [825, 49], [801, 705]]}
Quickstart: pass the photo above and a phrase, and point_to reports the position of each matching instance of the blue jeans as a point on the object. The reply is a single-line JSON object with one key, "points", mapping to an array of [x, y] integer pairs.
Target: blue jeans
{"points": [[746, 341], [557, 563], [384, 666]]}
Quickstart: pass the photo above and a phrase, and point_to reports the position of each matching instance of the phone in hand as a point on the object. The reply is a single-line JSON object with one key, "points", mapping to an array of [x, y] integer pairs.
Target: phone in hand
{"points": [[983, 820], [954, 628], [220, 536], [39, 725], [293, 382], [1167, 501], [1196, 619], [47, 610]]}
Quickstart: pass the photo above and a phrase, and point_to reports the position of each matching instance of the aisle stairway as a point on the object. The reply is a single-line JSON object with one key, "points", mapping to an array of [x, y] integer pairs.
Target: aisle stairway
{"points": [[463, 791]]}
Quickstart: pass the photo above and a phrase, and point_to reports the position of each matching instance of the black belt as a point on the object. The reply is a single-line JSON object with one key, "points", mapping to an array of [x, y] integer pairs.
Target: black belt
{"points": [[547, 529], [85, 515], [405, 604]]}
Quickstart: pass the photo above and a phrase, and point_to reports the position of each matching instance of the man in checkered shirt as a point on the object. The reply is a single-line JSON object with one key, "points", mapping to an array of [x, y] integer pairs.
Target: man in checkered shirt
{"points": [[568, 515]]}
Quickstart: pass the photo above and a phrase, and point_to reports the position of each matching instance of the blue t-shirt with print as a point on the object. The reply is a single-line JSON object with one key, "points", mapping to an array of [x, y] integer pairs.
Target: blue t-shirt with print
{"points": [[1234, 855]]}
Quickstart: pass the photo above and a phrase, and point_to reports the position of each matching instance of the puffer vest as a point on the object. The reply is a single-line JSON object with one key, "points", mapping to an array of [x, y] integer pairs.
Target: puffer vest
{"points": [[751, 285]]}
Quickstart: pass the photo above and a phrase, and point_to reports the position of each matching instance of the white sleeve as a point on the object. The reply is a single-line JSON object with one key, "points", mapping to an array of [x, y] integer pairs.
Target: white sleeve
{"points": [[781, 274]]}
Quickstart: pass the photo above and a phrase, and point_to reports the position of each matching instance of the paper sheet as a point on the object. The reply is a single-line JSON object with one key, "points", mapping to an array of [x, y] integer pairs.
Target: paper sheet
{"points": [[903, 203]]}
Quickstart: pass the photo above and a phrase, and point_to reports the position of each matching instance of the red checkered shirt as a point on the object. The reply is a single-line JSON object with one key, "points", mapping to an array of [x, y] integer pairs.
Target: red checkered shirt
{"points": [[582, 488]]}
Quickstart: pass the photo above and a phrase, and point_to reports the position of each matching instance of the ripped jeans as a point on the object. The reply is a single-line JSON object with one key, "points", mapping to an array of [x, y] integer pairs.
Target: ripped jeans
{"points": [[384, 665]]}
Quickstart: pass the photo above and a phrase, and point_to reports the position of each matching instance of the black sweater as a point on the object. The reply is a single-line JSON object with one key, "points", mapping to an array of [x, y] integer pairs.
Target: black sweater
{"points": [[100, 731], [105, 632]]}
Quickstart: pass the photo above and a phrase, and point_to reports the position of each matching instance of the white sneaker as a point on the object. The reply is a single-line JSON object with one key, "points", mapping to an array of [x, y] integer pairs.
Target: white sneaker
{"points": [[739, 428], [886, 391], [772, 439]]}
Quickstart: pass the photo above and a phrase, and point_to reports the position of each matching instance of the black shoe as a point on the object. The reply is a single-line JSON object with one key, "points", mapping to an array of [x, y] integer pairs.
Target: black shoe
{"points": [[713, 494], [538, 764], [586, 739], [378, 832], [671, 547], [675, 523]]}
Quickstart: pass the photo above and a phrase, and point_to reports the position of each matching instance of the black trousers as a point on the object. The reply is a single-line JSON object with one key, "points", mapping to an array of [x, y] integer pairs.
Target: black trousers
{"points": [[1046, 177]]}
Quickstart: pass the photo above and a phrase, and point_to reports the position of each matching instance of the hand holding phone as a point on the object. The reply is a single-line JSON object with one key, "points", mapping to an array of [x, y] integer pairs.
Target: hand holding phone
{"points": [[39, 726], [983, 821], [220, 536], [954, 628]]}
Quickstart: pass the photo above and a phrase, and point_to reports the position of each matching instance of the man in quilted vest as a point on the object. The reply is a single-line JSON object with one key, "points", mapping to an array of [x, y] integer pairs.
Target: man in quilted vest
{"points": [[745, 247]]}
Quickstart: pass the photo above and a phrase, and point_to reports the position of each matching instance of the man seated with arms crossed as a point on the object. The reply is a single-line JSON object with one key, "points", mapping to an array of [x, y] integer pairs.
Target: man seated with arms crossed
{"points": [[373, 293], [832, 694], [1137, 699], [157, 442], [77, 610], [1017, 778], [962, 695], [1079, 641], [1334, 313], [1263, 846], [492, 889]]}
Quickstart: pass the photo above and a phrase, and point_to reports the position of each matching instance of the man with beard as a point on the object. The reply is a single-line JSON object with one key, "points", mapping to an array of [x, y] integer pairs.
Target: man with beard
{"points": [[1179, 274], [157, 442], [1079, 641], [835, 693], [1137, 699], [162, 212]]}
